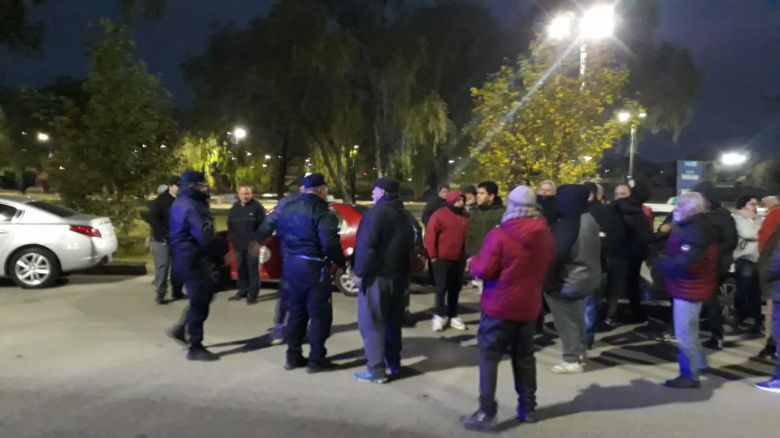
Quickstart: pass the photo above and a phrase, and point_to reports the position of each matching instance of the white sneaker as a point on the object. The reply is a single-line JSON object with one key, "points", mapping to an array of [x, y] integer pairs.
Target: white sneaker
{"points": [[567, 368], [457, 323], [438, 323]]}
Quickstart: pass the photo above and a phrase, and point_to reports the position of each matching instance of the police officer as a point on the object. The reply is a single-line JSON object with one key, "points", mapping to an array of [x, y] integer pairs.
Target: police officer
{"points": [[197, 255], [310, 241]]}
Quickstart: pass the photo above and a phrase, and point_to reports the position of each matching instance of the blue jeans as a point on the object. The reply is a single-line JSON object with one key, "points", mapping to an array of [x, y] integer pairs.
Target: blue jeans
{"points": [[686, 329]]}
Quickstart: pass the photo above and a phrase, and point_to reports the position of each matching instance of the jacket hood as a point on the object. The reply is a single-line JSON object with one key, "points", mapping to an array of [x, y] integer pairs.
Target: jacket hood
{"points": [[572, 199], [452, 197], [525, 230]]}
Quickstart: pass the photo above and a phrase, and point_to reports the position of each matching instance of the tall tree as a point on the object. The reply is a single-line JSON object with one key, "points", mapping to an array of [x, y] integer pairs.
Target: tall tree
{"points": [[122, 147], [537, 121]]}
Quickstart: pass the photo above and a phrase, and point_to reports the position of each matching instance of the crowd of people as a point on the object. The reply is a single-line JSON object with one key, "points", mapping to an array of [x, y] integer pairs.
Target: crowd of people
{"points": [[563, 248]]}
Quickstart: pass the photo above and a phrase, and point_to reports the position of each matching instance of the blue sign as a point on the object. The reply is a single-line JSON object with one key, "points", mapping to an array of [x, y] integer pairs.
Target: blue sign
{"points": [[689, 174]]}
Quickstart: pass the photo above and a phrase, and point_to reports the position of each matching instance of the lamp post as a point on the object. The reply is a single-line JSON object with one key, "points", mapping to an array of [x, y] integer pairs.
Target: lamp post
{"points": [[628, 117], [595, 24]]}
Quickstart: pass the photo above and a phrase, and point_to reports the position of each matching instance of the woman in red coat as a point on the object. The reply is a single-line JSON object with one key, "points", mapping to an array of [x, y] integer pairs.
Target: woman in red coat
{"points": [[445, 240], [513, 263]]}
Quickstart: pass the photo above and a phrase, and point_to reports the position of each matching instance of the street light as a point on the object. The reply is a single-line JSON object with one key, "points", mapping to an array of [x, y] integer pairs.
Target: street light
{"points": [[733, 158], [595, 24], [239, 133]]}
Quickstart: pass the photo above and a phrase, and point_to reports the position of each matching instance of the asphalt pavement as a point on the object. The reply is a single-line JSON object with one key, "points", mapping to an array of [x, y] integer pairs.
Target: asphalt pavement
{"points": [[89, 358]]}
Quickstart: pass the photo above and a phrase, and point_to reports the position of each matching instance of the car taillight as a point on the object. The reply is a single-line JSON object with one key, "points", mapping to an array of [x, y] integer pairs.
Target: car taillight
{"points": [[86, 230]]}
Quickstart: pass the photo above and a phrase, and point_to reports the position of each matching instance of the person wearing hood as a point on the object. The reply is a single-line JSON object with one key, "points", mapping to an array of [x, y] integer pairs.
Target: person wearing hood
{"points": [[513, 263], [486, 216], [545, 200], [575, 275], [726, 230], [638, 233], [197, 255], [689, 266], [445, 238], [385, 242]]}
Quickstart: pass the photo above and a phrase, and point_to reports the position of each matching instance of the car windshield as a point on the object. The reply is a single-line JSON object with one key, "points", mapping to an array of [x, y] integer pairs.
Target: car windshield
{"points": [[53, 209]]}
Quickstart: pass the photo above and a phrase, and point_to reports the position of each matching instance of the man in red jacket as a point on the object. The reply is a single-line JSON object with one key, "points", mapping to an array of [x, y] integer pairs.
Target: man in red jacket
{"points": [[445, 239], [513, 264], [690, 265]]}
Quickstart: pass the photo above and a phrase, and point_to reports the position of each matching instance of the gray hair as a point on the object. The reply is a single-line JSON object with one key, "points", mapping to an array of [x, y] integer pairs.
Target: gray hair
{"points": [[692, 199]]}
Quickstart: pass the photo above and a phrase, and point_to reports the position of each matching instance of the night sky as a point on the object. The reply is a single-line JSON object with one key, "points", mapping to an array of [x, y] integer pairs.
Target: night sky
{"points": [[736, 43]]}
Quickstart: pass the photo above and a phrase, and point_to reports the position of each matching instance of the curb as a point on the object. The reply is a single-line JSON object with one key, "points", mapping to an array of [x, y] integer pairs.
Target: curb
{"points": [[136, 269]]}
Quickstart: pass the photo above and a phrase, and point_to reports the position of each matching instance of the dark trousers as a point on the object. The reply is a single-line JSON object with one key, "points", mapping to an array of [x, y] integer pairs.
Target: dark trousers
{"points": [[201, 286], [309, 304], [776, 334], [380, 314], [280, 312], [448, 277], [496, 337], [748, 299], [248, 274], [633, 284], [616, 284], [569, 317]]}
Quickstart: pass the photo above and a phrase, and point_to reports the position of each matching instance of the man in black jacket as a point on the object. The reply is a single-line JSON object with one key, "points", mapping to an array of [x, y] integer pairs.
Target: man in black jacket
{"points": [[310, 243], [720, 218], [158, 219], [198, 255], [383, 252], [244, 220], [613, 265], [638, 232]]}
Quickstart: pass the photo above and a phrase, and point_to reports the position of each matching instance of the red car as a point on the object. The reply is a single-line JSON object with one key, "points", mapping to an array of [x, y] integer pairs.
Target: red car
{"points": [[349, 217]]}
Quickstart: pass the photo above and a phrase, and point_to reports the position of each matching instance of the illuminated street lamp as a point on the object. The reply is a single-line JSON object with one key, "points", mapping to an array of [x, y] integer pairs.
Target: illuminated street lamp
{"points": [[595, 24], [733, 159]]}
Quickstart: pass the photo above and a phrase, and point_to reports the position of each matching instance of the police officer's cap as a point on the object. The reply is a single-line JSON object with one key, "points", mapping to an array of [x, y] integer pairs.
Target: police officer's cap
{"points": [[193, 177], [389, 185], [313, 180]]}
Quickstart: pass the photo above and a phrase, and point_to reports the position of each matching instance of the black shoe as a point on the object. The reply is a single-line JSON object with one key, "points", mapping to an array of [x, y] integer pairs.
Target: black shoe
{"points": [[160, 300], [176, 296], [199, 352], [292, 364], [479, 421], [524, 416], [237, 297], [713, 343], [319, 366], [682, 383], [178, 334]]}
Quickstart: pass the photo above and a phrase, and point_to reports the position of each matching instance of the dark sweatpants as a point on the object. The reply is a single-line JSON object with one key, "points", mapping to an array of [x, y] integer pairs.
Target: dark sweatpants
{"points": [[448, 276], [380, 315], [309, 304], [495, 338]]}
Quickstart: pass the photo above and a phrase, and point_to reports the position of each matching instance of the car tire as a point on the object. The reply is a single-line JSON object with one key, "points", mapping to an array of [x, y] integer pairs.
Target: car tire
{"points": [[344, 283], [34, 268]]}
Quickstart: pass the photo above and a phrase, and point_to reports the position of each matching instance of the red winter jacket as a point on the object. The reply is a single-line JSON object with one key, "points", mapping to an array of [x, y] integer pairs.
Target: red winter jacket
{"points": [[445, 233], [690, 260], [513, 262]]}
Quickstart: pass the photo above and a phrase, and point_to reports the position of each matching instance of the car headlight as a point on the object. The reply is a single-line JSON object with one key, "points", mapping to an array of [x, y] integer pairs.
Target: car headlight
{"points": [[265, 254]]}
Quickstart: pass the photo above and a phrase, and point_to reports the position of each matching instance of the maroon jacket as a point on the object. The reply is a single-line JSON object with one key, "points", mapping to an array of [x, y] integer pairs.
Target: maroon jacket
{"points": [[690, 260], [445, 233], [513, 262]]}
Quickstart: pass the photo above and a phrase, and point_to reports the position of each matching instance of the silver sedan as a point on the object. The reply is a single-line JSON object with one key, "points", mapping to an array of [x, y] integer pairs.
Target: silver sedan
{"points": [[40, 241]]}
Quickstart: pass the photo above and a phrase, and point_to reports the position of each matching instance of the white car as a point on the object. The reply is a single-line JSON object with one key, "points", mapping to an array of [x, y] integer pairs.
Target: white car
{"points": [[40, 241]]}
